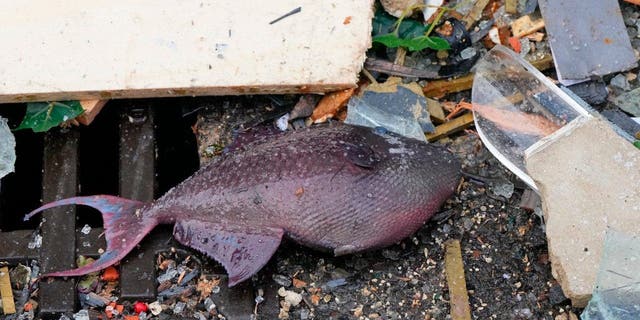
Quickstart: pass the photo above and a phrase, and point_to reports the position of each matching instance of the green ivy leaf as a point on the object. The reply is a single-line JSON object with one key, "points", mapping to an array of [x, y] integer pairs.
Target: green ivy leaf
{"points": [[42, 116], [423, 42], [637, 144], [411, 28], [384, 23], [390, 40]]}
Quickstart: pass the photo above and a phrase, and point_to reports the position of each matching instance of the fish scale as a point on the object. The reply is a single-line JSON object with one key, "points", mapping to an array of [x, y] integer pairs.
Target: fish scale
{"points": [[336, 187]]}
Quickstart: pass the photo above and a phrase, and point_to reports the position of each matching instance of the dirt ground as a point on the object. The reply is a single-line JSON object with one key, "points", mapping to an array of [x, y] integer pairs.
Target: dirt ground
{"points": [[503, 247]]}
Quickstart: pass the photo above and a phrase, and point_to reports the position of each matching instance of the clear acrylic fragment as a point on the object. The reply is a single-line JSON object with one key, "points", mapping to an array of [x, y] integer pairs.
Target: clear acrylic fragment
{"points": [[617, 291]]}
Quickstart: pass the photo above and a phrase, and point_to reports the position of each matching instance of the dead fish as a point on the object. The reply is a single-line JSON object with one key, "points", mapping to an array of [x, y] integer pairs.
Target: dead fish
{"points": [[339, 188]]}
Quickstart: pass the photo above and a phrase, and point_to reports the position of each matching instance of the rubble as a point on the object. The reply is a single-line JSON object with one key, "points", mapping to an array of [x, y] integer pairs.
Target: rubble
{"points": [[499, 220]]}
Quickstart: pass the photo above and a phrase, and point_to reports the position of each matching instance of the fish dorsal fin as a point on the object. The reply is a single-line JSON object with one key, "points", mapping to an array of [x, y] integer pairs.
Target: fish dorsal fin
{"points": [[241, 252]]}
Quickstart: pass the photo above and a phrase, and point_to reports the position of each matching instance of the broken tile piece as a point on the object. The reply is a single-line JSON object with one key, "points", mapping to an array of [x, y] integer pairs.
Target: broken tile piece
{"points": [[589, 181], [587, 38]]}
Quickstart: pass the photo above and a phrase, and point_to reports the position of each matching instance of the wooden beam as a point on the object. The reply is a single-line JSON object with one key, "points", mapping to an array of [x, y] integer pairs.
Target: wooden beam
{"points": [[6, 294], [454, 269], [116, 49], [440, 88], [454, 125]]}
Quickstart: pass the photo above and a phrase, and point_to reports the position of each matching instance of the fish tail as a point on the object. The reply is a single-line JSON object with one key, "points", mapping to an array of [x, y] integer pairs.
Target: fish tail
{"points": [[124, 228]]}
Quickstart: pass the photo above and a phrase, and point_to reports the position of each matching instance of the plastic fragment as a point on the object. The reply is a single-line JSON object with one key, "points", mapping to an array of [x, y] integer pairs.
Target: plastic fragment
{"points": [[617, 290], [395, 107], [110, 274], [139, 307]]}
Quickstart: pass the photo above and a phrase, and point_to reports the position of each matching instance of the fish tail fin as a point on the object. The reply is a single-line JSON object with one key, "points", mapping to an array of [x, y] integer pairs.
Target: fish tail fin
{"points": [[124, 228]]}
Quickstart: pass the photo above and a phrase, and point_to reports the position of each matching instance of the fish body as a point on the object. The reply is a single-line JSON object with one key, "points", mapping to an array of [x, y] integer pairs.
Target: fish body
{"points": [[336, 188]]}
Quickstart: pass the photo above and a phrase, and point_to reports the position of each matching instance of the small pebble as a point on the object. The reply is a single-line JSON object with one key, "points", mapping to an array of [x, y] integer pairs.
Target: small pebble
{"points": [[81, 315], [283, 122], [620, 81], [86, 229], [155, 308], [179, 307], [468, 53], [291, 297], [282, 280], [336, 283], [209, 305], [170, 274]]}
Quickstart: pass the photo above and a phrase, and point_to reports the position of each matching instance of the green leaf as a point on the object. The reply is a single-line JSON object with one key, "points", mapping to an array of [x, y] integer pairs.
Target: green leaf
{"points": [[637, 144], [390, 40], [384, 23], [411, 28], [420, 43], [42, 116]]}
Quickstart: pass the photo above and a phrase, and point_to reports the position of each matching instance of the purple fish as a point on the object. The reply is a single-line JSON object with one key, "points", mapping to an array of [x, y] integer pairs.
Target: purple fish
{"points": [[336, 187]]}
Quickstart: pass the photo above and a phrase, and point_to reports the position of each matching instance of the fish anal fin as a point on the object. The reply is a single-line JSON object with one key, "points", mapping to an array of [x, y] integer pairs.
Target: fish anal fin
{"points": [[242, 252]]}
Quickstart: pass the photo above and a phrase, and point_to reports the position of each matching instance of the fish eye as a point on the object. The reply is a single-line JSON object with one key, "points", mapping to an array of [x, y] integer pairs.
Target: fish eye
{"points": [[381, 130]]}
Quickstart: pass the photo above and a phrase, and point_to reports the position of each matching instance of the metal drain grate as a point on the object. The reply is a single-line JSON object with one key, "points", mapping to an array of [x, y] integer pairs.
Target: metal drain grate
{"points": [[147, 141]]}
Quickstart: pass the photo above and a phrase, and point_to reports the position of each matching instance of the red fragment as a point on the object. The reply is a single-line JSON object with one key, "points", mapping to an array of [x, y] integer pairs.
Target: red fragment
{"points": [[515, 44], [110, 274], [140, 307]]}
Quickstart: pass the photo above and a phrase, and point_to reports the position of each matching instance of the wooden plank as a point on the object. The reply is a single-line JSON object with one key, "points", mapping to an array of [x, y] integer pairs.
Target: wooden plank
{"points": [[91, 110], [116, 49], [454, 269], [440, 88], [454, 125], [511, 6], [6, 294], [526, 25], [475, 13], [59, 180]]}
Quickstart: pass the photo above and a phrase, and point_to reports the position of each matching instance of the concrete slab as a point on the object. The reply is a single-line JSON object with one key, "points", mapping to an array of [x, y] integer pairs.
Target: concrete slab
{"points": [[589, 180], [116, 49]]}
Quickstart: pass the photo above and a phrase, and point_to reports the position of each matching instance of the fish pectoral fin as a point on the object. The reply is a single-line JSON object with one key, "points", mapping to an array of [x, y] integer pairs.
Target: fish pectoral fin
{"points": [[241, 251], [360, 155]]}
